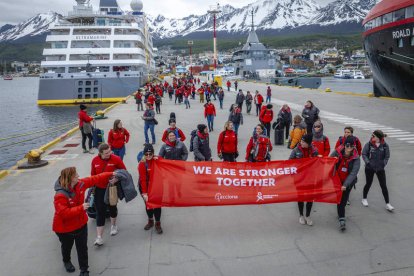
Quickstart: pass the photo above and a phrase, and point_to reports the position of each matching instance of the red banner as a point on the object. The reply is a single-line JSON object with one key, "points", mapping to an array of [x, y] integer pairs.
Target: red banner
{"points": [[182, 184]]}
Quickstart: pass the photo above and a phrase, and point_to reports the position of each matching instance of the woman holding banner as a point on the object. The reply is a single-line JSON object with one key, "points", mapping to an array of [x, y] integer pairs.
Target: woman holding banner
{"points": [[259, 146], [144, 168], [305, 150]]}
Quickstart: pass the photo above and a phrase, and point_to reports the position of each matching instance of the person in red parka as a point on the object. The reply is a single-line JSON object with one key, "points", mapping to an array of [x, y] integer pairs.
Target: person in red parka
{"points": [[320, 141], [85, 128], [227, 143], [258, 100], [209, 114], [259, 147], [179, 134], [349, 131], [70, 219], [117, 138], [266, 117], [151, 99], [228, 85], [144, 169]]}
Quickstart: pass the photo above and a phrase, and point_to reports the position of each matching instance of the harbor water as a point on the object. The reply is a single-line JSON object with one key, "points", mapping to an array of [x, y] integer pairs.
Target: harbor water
{"points": [[21, 116], [348, 85]]}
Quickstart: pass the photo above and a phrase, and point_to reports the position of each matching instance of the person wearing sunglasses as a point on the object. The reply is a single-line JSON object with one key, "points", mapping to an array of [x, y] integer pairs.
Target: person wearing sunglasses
{"points": [[347, 168], [349, 131], [376, 154], [144, 169], [320, 141]]}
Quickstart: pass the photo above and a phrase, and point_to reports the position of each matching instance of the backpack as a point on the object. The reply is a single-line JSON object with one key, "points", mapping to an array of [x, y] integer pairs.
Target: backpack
{"points": [[193, 135], [140, 155]]}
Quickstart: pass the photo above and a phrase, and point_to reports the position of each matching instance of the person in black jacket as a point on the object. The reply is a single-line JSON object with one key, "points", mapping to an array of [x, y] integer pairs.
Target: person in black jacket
{"points": [[311, 114], [376, 154], [201, 144], [240, 99], [173, 149], [347, 168], [236, 117], [285, 119]]}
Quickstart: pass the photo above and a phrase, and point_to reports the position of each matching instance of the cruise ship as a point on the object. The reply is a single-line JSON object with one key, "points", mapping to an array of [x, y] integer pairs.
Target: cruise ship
{"points": [[389, 46], [96, 56]]}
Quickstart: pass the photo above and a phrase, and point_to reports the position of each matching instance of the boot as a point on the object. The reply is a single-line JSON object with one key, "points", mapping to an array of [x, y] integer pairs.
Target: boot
{"points": [[84, 273], [149, 225], [69, 267], [158, 228]]}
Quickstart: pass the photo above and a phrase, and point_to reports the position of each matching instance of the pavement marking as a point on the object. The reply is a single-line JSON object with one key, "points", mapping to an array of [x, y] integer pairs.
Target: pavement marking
{"points": [[405, 139], [400, 135]]}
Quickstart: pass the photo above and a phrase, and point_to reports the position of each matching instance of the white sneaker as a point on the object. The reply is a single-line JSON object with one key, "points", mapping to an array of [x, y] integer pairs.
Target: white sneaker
{"points": [[389, 207], [98, 241], [91, 151], [365, 202], [309, 221], [302, 220], [114, 230]]}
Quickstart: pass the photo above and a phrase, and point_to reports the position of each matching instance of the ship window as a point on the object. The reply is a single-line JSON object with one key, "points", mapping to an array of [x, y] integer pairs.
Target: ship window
{"points": [[80, 83], [95, 89], [387, 18], [412, 41], [80, 90], [95, 82], [398, 15], [95, 96], [409, 12], [87, 96], [88, 90], [88, 83], [377, 22], [400, 43], [80, 96]]}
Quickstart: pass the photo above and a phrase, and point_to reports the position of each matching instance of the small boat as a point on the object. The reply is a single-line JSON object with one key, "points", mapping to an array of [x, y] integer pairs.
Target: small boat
{"points": [[7, 77], [343, 74], [357, 74]]}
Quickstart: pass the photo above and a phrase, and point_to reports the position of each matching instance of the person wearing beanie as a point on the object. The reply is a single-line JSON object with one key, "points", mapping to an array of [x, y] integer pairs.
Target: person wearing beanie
{"points": [[304, 150], [320, 141], [376, 154], [266, 117], [347, 168], [172, 127], [144, 169], [85, 127], [173, 149], [201, 144], [349, 131]]}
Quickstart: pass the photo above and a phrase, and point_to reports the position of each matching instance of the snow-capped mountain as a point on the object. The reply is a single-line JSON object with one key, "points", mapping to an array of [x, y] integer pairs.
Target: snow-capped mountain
{"points": [[34, 26], [268, 15]]}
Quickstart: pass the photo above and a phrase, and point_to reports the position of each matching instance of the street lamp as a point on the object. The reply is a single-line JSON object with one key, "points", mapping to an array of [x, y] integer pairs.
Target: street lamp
{"points": [[190, 43], [214, 10]]}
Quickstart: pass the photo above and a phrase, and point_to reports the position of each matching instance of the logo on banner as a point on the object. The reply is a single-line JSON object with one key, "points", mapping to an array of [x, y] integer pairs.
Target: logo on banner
{"points": [[262, 197], [219, 197]]}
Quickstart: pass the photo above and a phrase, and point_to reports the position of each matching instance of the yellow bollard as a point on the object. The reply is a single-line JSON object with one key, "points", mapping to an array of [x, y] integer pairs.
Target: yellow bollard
{"points": [[33, 160], [371, 95], [328, 90]]}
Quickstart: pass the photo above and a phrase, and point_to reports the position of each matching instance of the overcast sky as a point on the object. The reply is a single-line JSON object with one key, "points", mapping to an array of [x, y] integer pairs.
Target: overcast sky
{"points": [[14, 12]]}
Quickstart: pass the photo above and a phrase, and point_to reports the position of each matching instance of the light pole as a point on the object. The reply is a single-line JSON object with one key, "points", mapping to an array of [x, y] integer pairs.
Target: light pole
{"points": [[214, 10], [191, 43]]}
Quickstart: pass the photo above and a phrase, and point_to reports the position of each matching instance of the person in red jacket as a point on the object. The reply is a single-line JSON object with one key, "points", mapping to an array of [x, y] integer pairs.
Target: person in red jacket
{"points": [[151, 99], [227, 143], [349, 131], [209, 114], [258, 100], [259, 147], [178, 132], [86, 131], [144, 169], [70, 219], [106, 161], [320, 141], [228, 85], [266, 117], [117, 138]]}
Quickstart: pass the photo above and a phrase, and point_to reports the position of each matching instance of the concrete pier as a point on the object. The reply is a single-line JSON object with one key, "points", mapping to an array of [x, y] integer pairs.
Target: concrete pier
{"points": [[238, 240]]}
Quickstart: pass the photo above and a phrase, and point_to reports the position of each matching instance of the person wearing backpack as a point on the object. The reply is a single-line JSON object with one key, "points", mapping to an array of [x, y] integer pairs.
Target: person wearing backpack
{"points": [[117, 138], [236, 117], [227, 143], [144, 169], [304, 150], [266, 117], [320, 141], [209, 114], [201, 144], [285, 119], [70, 222], [347, 168], [85, 119], [149, 118], [349, 131], [299, 129], [259, 147], [173, 149], [376, 154], [158, 101], [178, 132]]}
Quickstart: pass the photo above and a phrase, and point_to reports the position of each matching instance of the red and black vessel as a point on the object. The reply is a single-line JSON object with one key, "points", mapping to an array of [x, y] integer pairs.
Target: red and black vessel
{"points": [[389, 46]]}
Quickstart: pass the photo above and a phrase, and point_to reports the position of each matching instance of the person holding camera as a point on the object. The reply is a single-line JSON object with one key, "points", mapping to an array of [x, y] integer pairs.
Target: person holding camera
{"points": [[70, 219], [227, 143]]}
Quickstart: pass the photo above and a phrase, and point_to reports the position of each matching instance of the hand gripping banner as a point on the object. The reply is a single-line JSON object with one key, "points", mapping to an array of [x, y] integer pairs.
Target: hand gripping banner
{"points": [[183, 184]]}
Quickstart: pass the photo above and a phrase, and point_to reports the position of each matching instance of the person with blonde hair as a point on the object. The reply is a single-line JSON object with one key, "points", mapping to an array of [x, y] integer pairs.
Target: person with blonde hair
{"points": [[227, 143], [70, 218]]}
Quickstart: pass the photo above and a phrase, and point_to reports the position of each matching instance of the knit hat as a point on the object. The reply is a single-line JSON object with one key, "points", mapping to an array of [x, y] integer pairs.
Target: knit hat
{"points": [[148, 148], [201, 127], [349, 140], [269, 106], [307, 138], [378, 133], [83, 107], [171, 121]]}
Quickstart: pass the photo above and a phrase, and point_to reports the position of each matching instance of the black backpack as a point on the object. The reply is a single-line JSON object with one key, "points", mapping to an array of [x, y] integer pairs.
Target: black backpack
{"points": [[193, 135]]}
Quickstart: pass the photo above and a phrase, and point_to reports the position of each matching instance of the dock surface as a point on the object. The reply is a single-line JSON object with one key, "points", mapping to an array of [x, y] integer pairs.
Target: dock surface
{"points": [[236, 240]]}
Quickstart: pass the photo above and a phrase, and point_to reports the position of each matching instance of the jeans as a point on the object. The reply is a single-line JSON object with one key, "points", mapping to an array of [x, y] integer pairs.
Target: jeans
{"points": [[84, 136], [248, 107], [210, 122], [369, 173], [236, 127], [151, 128], [258, 108], [80, 238], [268, 99], [221, 103], [187, 103], [140, 106], [119, 152], [101, 207]]}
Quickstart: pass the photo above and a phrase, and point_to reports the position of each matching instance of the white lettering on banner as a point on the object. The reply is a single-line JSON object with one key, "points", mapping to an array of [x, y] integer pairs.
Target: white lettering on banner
{"points": [[401, 33], [236, 182], [269, 172], [219, 197], [202, 170], [262, 197], [90, 37]]}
